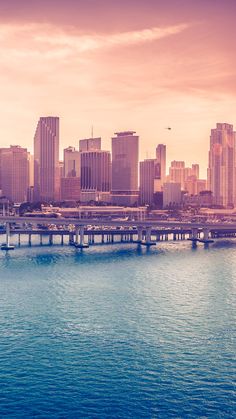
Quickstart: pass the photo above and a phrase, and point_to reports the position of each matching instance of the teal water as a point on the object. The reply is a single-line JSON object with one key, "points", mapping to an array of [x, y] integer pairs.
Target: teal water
{"points": [[116, 332]]}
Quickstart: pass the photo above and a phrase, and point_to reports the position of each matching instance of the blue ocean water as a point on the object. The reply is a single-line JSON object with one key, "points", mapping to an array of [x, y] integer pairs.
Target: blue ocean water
{"points": [[118, 332]]}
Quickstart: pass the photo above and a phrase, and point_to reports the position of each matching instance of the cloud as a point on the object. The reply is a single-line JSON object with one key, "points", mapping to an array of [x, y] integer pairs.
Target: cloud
{"points": [[84, 43], [41, 37]]}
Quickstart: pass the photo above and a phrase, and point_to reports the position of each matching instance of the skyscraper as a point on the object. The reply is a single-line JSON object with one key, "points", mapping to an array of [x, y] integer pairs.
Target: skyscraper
{"points": [[161, 159], [149, 173], [221, 169], [125, 150], [1, 152], [46, 159], [195, 170], [71, 162], [96, 170], [177, 172], [15, 173], [171, 194], [90, 144], [70, 188]]}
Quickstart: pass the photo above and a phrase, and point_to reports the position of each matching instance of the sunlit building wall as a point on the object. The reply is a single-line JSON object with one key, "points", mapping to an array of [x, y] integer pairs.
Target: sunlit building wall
{"points": [[15, 173]]}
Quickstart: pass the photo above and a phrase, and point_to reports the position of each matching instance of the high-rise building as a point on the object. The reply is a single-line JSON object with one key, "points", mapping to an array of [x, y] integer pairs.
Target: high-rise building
{"points": [[161, 159], [195, 170], [125, 150], [181, 174], [96, 170], [71, 179], [70, 188], [31, 169], [15, 173], [1, 151], [61, 169], [90, 144], [71, 162], [149, 173], [201, 185], [171, 194], [177, 172], [46, 159], [221, 169]]}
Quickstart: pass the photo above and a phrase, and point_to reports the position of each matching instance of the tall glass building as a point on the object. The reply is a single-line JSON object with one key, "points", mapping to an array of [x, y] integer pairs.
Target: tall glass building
{"points": [[46, 159], [125, 155]]}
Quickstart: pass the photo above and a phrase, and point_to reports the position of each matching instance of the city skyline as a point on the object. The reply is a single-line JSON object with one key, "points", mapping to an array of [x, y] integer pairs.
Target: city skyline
{"points": [[119, 67], [89, 173]]}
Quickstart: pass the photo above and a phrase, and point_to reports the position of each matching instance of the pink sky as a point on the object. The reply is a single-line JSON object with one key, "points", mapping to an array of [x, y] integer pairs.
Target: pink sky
{"points": [[118, 65]]}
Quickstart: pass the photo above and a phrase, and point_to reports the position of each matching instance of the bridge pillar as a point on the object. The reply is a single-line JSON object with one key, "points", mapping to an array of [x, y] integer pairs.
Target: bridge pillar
{"points": [[148, 237], [206, 234], [8, 234], [79, 241], [194, 233], [71, 239], [140, 234], [7, 245], [77, 233]]}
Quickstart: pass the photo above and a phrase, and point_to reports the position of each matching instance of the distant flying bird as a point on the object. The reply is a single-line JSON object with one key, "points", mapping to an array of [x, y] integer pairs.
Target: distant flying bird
{"points": [[168, 128]]}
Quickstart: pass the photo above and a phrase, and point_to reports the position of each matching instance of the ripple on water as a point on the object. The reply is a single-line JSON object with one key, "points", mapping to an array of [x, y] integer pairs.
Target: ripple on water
{"points": [[116, 332]]}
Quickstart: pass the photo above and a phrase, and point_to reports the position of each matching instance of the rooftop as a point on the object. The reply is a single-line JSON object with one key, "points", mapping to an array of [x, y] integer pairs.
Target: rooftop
{"points": [[124, 133]]}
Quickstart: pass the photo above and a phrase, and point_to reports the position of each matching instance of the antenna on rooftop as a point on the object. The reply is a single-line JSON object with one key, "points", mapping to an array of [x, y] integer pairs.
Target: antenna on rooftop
{"points": [[92, 131]]}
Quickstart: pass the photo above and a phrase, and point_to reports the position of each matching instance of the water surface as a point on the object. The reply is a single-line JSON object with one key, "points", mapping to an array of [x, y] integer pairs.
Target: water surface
{"points": [[118, 332]]}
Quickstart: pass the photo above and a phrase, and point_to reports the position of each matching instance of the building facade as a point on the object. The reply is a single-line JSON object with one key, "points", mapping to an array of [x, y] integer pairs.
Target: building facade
{"points": [[70, 189], [96, 170], [71, 162], [46, 160], [177, 172], [171, 194], [221, 168], [90, 144], [149, 175], [161, 159], [15, 173], [125, 154]]}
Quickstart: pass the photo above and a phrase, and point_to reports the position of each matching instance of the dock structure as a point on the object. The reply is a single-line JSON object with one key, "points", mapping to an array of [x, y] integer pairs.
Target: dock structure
{"points": [[83, 233]]}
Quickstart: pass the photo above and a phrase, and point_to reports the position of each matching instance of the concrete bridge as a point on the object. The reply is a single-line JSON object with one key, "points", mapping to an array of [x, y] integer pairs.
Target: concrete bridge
{"points": [[145, 233]]}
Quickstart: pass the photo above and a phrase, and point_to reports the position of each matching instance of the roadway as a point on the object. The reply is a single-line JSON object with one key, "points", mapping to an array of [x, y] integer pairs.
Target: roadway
{"points": [[157, 225]]}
